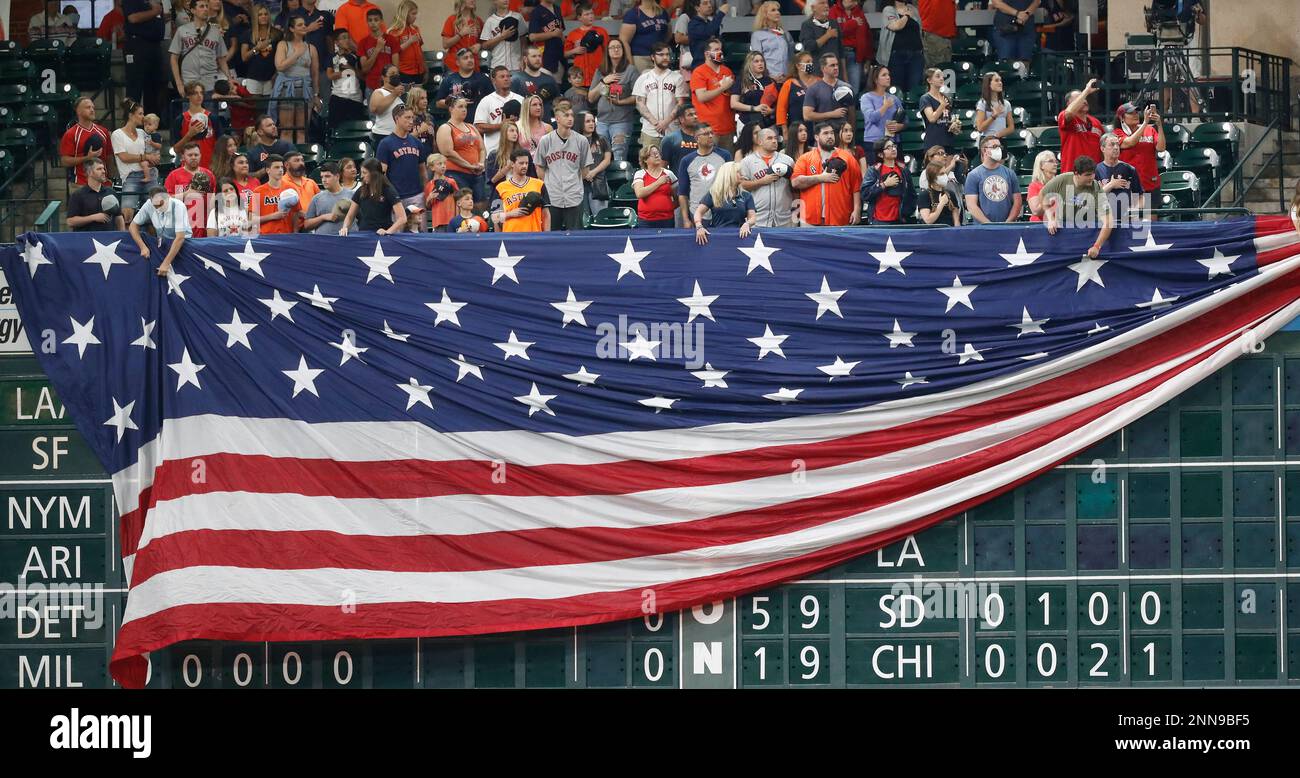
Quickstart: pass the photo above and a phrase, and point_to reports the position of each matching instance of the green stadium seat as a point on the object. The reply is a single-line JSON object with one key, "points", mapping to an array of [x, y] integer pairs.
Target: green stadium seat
{"points": [[88, 59], [974, 50], [1201, 161], [625, 197], [1177, 137], [1010, 70], [17, 71], [350, 130], [1019, 142], [40, 118], [47, 53], [967, 143], [618, 173], [1179, 189], [19, 142], [1050, 138], [965, 71], [1025, 180], [1220, 136], [614, 218], [7, 165], [14, 94], [910, 141], [9, 49], [968, 94]]}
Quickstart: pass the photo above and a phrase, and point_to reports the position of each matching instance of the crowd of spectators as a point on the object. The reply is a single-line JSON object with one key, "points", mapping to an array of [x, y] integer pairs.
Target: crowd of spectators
{"points": [[538, 103]]}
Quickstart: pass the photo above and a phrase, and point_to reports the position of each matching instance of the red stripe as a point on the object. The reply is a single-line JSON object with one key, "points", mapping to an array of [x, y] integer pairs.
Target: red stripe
{"points": [[418, 478], [234, 621], [291, 550]]}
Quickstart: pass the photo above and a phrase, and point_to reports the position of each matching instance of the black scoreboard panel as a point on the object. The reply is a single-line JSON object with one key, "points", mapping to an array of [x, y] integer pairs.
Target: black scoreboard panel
{"points": [[1167, 555]]}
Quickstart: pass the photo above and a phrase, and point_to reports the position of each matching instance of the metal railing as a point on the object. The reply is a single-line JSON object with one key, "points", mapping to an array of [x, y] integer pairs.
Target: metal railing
{"points": [[12, 223], [1240, 188], [1232, 83]]}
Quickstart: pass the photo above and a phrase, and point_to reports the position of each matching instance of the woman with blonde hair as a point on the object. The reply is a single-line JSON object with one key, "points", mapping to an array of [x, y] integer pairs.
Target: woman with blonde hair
{"points": [[256, 49], [461, 30], [422, 126], [730, 204], [1046, 166], [410, 43], [531, 126], [771, 40]]}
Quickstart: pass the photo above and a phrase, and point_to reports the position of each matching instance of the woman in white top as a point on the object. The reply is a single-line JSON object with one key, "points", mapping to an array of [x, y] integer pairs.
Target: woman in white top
{"points": [[136, 161], [993, 116], [382, 102]]}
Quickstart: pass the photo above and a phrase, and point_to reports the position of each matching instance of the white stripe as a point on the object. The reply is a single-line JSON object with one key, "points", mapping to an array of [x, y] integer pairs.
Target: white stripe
{"points": [[462, 514], [198, 436], [202, 585]]}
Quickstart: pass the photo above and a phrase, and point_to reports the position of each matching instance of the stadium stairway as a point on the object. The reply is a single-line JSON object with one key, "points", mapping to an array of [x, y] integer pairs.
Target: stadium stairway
{"points": [[1262, 198]]}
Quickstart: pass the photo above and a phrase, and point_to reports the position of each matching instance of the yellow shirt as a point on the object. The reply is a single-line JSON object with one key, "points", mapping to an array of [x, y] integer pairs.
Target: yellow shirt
{"points": [[511, 197]]}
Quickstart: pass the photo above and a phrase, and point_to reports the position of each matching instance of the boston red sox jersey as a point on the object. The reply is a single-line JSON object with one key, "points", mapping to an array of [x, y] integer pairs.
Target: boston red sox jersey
{"points": [[771, 202], [562, 162], [662, 93]]}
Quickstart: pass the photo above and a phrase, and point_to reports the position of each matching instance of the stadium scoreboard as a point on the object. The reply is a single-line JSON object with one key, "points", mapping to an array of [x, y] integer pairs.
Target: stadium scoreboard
{"points": [[1167, 555]]}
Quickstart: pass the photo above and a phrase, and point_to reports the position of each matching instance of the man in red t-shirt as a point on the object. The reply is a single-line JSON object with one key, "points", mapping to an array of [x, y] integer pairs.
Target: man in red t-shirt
{"points": [[711, 94], [85, 141], [1080, 131], [1141, 139], [179, 179], [376, 49], [938, 28]]}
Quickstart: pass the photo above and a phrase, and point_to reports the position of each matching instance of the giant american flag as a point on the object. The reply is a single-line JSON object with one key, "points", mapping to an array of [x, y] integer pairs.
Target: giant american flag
{"points": [[316, 437]]}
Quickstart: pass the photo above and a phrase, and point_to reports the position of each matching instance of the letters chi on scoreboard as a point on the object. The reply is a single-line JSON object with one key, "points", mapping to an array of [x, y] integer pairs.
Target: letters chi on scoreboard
{"points": [[1159, 556]]}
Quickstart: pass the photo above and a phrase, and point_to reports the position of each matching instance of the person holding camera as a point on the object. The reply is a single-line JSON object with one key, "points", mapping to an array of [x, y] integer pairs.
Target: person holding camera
{"points": [[523, 199], [1013, 31], [1142, 138], [887, 189], [94, 207], [1080, 131]]}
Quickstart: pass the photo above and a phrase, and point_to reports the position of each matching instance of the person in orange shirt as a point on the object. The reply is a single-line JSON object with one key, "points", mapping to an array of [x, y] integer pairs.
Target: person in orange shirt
{"points": [[829, 182], [295, 178], [586, 44], [461, 31], [440, 193], [351, 16], [410, 44], [523, 199], [711, 94], [264, 205]]}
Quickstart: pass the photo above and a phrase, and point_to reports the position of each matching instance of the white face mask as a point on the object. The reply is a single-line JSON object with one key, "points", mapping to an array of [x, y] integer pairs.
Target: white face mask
{"points": [[995, 153], [942, 179]]}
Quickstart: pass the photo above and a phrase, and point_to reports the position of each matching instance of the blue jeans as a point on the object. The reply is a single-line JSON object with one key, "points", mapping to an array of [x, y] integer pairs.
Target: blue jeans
{"points": [[1019, 47], [470, 181], [284, 86], [907, 68], [854, 69], [617, 135]]}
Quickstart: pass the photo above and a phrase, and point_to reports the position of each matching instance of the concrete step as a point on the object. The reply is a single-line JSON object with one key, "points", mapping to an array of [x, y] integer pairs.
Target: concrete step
{"points": [[1262, 209], [1265, 190]]}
